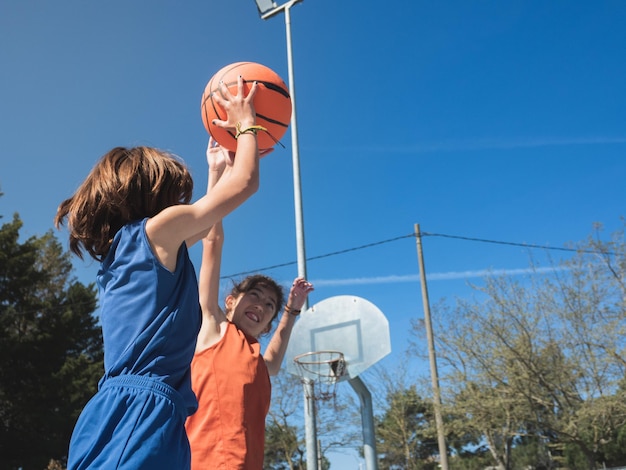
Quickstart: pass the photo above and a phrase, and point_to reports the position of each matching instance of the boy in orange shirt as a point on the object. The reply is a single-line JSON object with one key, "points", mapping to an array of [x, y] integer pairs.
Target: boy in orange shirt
{"points": [[230, 376]]}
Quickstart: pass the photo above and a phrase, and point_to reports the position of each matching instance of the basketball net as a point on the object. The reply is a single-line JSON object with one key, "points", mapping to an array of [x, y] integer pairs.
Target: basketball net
{"points": [[325, 368]]}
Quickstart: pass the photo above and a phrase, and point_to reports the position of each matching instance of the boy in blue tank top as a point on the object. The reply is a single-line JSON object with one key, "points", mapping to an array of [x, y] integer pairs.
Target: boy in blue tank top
{"points": [[133, 214]]}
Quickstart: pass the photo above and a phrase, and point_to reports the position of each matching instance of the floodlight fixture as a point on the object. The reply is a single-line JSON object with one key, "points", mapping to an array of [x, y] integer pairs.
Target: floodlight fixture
{"points": [[264, 6], [269, 8]]}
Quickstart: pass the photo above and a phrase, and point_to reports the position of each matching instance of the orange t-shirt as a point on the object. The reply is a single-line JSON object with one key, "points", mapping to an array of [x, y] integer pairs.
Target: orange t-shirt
{"points": [[233, 388]]}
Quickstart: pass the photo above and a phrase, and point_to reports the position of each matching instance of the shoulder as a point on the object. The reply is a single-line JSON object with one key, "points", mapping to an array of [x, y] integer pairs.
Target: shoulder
{"points": [[212, 332]]}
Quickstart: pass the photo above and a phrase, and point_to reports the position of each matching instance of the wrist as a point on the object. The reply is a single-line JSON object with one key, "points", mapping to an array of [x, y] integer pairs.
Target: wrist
{"points": [[243, 129], [294, 312], [246, 123]]}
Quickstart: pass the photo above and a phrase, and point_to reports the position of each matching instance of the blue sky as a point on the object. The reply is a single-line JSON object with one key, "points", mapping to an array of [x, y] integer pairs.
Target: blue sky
{"points": [[492, 120]]}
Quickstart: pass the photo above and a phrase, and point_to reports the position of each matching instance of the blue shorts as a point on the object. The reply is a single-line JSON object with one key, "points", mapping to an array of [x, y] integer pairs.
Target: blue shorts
{"points": [[133, 422]]}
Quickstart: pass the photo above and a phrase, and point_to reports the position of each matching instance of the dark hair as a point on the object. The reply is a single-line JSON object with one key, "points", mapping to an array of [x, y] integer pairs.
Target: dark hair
{"points": [[126, 184], [250, 282]]}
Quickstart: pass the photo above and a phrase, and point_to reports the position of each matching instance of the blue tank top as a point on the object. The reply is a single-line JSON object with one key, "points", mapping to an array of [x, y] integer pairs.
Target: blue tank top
{"points": [[150, 316]]}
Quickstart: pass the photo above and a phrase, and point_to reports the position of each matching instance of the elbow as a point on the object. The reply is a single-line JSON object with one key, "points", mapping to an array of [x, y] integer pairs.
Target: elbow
{"points": [[272, 367], [213, 241], [254, 183], [250, 185]]}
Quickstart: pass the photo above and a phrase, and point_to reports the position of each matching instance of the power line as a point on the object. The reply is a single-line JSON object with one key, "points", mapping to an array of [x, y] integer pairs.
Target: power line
{"points": [[423, 234], [411, 235], [525, 245], [319, 256]]}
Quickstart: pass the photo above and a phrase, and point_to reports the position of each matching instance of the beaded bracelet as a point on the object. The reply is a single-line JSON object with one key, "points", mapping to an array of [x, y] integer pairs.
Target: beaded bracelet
{"points": [[292, 311], [251, 129]]}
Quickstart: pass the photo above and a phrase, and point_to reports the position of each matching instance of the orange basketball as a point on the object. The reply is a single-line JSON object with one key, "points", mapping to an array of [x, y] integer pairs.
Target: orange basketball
{"points": [[272, 103]]}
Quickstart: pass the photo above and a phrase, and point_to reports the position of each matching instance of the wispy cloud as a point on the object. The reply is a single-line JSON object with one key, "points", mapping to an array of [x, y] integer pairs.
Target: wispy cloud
{"points": [[448, 276], [487, 144]]}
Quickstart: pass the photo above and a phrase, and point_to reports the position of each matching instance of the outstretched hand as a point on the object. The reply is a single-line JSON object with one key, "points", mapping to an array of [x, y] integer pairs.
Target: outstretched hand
{"points": [[239, 108], [298, 293], [218, 157]]}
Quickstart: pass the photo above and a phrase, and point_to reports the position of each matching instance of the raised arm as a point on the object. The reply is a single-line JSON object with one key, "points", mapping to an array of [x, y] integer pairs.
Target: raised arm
{"points": [[168, 229], [277, 346], [213, 318]]}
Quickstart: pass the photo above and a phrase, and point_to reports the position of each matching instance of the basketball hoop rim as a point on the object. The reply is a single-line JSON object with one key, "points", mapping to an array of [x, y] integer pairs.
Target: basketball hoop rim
{"points": [[299, 358]]}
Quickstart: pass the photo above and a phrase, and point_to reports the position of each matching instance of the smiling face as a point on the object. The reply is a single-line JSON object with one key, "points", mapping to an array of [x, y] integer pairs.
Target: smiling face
{"points": [[253, 311]]}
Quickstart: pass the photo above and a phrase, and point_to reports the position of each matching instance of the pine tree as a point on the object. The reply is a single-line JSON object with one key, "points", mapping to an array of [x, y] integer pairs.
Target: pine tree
{"points": [[51, 354]]}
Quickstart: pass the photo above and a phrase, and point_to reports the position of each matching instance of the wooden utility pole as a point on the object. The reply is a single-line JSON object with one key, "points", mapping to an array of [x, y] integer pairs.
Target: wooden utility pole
{"points": [[443, 453]]}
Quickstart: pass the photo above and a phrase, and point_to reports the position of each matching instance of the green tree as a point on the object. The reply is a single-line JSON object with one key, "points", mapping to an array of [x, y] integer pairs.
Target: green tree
{"points": [[541, 359], [284, 446], [405, 434], [50, 349], [285, 442]]}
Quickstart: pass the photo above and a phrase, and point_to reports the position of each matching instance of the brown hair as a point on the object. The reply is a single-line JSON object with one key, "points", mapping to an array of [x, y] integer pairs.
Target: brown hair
{"points": [[256, 280], [126, 184]]}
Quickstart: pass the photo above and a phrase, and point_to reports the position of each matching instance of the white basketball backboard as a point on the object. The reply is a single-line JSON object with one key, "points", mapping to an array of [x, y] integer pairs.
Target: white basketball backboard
{"points": [[347, 324]]}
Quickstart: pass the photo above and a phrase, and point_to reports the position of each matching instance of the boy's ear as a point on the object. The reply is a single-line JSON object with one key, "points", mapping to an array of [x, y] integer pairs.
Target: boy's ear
{"points": [[229, 302]]}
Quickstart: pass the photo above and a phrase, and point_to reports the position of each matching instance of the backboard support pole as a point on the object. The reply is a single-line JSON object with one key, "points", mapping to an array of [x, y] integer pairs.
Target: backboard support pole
{"points": [[310, 424], [367, 422], [334, 341]]}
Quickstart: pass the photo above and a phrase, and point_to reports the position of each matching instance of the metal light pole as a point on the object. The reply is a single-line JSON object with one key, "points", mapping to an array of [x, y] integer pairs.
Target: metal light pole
{"points": [[267, 9]]}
